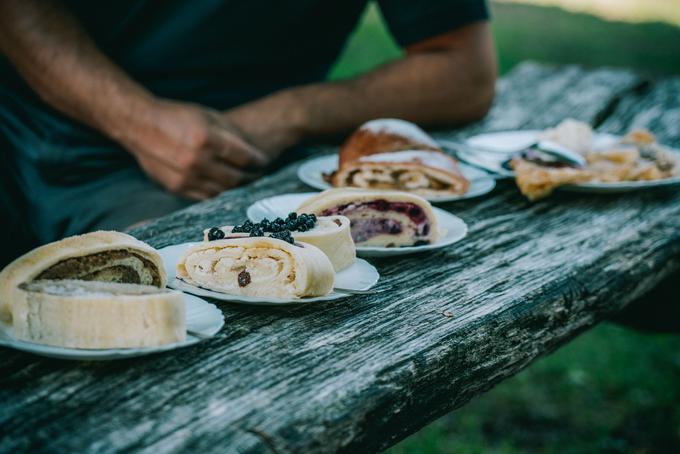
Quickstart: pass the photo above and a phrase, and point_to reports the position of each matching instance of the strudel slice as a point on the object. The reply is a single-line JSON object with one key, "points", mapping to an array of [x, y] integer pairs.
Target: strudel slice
{"points": [[331, 234], [395, 154], [87, 314], [97, 256], [379, 218], [259, 267]]}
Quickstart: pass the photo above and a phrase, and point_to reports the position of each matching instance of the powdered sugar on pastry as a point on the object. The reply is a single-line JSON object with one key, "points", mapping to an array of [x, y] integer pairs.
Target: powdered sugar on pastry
{"points": [[401, 128]]}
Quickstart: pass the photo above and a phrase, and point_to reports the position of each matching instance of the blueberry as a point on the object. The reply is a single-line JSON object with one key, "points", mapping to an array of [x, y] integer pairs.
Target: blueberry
{"points": [[215, 234], [256, 231], [265, 224], [292, 215], [247, 226], [237, 229], [302, 227], [291, 225], [284, 235]]}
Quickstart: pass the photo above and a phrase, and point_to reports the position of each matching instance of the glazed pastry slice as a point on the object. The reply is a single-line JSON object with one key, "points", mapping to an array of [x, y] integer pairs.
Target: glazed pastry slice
{"points": [[379, 218], [259, 267], [91, 315], [396, 154], [331, 234], [97, 256]]}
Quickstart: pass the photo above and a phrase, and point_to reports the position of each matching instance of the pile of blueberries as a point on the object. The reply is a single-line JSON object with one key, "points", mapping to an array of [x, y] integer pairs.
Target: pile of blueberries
{"points": [[280, 228]]}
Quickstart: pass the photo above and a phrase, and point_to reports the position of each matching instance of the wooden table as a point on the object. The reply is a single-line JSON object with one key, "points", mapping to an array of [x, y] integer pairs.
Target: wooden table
{"points": [[360, 374]]}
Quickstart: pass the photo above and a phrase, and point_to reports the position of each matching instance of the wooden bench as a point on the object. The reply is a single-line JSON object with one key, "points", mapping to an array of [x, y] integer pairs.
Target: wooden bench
{"points": [[360, 374]]}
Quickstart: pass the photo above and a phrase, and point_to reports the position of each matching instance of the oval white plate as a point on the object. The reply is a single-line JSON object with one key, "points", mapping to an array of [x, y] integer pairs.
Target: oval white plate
{"points": [[202, 317], [360, 276], [311, 172], [505, 143], [281, 205]]}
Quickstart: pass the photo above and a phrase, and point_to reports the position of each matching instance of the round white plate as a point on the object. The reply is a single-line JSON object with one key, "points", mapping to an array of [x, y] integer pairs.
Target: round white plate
{"points": [[202, 317], [360, 276], [503, 144], [281, 205], [311, 172]]}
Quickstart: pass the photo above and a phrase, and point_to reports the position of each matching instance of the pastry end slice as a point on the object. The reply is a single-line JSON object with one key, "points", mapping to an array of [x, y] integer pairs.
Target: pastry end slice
{"points": [[95, 315]]}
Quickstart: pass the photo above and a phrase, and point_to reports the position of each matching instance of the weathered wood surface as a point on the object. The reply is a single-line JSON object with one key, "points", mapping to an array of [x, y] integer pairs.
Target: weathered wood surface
{"points": [[360, 374]]}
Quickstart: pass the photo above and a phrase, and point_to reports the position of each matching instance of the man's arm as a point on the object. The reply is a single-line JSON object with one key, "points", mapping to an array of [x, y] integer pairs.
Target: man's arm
{"points": [[443, 81], [189, 149]]}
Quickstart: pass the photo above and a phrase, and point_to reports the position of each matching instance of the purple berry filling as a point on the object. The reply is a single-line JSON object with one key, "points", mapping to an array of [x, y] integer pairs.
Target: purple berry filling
{"points": [[364, 229]]}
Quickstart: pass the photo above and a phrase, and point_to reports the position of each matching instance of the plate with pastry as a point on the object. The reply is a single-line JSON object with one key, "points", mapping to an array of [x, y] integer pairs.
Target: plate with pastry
{"points": [[98, 296], [382, 223], [270, 269], [393, 154], [540, 162]]}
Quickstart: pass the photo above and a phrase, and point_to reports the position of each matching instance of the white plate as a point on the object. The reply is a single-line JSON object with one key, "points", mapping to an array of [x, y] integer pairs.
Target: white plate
{"points": [[360, 276], [281, 205], [311, 172], [505, 143], [202, 317]]}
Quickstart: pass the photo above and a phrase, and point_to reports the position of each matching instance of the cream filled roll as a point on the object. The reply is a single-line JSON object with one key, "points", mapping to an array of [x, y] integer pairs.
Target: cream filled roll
{"points": [[331, 234], [258, 267]]}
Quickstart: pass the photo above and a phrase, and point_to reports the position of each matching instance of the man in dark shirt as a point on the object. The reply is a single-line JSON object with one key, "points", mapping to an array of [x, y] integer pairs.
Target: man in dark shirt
{"points": [[114, 112]]}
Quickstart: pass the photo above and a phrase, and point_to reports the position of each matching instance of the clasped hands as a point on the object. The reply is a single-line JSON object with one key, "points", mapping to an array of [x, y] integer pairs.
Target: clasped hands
{"points": [[197, 152]]}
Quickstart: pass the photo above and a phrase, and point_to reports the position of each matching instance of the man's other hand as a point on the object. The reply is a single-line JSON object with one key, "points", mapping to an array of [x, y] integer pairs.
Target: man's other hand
{"points": [[191, 150]]}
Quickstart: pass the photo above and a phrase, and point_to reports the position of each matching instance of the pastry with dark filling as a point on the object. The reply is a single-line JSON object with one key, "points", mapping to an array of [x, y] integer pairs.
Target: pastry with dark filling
{"points": [[379, 218], [98, 256]]}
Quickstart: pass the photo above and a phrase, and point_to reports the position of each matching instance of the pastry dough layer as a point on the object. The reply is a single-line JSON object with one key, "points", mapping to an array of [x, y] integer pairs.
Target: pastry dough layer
{"points": [[331, 234], [102, 256], [379, 218], [258, 266], [91, 315]]}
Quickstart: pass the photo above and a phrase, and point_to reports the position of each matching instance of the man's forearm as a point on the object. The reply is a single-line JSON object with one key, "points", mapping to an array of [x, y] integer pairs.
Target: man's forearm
{"points": [[434, 86], [49, 48]]}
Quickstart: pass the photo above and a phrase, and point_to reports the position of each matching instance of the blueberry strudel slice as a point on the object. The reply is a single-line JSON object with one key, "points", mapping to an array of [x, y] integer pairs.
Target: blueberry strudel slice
{"points": [[379, 218]]}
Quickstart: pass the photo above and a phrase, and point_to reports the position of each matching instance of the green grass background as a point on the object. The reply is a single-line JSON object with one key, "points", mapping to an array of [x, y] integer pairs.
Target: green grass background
{"points": [[613, 389]]}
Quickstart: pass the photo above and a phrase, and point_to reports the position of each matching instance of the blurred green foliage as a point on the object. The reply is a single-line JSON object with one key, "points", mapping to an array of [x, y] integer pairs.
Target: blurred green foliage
{"points": [[611, 390], [546, 34]]}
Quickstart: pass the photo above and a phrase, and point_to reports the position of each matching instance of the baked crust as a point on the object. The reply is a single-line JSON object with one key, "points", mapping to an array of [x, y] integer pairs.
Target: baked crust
{"points": [[93, 315], [30, 265], [395, 154]]}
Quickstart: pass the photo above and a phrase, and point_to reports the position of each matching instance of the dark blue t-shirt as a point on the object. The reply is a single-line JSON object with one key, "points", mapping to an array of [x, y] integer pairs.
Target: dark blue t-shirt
{"points": [[219, 53]]}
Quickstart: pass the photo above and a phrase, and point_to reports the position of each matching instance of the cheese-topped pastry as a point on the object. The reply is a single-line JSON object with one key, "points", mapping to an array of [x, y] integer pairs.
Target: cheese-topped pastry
{"points": [[395, 154], [259, 267], [97, 256], [379, 218], [88, 314], [331, 234]]}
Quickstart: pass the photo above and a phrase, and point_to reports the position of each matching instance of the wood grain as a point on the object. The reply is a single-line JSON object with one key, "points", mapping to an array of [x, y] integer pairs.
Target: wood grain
{"points": [[360, 374]]}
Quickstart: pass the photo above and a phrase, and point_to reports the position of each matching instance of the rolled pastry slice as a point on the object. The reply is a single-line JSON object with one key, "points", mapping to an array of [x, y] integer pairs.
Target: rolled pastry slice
{"points": [[259, 267], [331, 234], [379, 218], [396, 154], [98, 256], [91, 315]]}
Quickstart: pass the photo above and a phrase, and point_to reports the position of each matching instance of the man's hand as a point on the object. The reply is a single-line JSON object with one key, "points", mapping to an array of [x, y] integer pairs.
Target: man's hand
{"points": [[190, 150]]}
